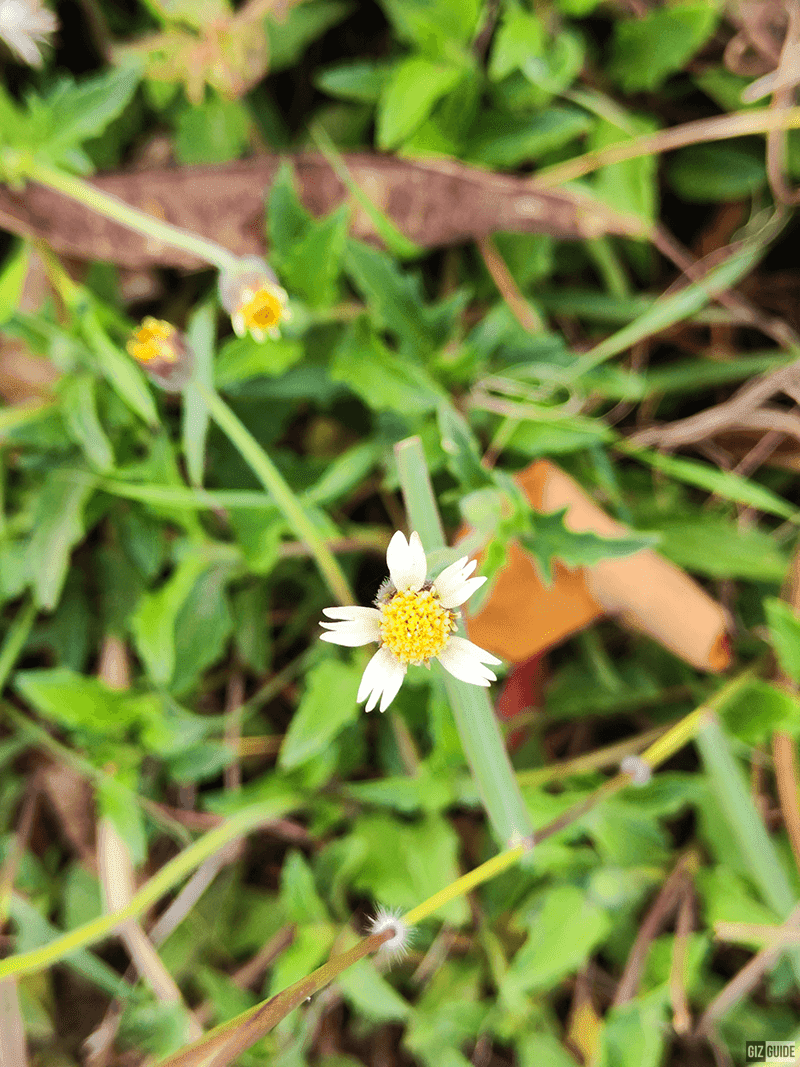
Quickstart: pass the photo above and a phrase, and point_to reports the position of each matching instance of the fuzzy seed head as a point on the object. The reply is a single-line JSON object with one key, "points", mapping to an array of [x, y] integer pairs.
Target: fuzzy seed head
{"points": [[387, 919]]}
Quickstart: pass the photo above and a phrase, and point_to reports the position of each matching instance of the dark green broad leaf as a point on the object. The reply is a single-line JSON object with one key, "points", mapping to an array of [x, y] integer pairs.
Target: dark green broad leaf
{"points": [[552, 540], [710, 172], [647, 50], [58, 527], [498, 139], [359, 81]]}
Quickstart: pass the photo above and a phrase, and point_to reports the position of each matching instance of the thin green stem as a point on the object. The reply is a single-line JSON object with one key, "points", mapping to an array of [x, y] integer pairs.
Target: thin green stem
{"points": [[475, 719], [118, 211], [272, 480]]}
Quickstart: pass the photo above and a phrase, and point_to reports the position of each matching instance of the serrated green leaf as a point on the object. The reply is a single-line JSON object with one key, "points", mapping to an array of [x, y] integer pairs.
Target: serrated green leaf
{"points": [[552, 540], [326, 707], [313, 265]]}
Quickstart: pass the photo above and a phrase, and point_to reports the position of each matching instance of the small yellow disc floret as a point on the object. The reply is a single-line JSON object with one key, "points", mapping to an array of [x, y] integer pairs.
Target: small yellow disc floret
{"points": [[260, 310], [155, 339], [415, 626]]}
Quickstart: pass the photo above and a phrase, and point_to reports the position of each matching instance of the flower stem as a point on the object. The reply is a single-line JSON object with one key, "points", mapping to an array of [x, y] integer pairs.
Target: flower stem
{"points": [[118, 211], [475, 719], [272, 480]]}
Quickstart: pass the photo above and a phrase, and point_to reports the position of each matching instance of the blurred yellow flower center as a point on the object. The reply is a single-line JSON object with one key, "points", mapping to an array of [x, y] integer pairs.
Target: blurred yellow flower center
{"points": [[260, 310], [155, 339], [415, 626]]}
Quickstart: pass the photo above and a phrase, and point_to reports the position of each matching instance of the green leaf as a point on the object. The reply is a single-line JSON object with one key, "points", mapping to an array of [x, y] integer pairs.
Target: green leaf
{"points": [[497, 139], [359, 81], [394, 298], [633, 1035], [714, 545], [725, 484], [784, 631], [647, 49], [203, 626], [313, 265], [302, 24], [12, 279], [326, 707], [631, 186], [552, 540], [301, 900], [371, 996], [215, 131], [383, 380], [707, 173], [759, 709], [518, 43], [200, 336], [117, 803], [435, 27], [541, 436], [288, 222], [461, 448], [562, 935], [77, 702], [74, 112], [242, 358], [79, 406], [408, 98], [58, 527], [153, 623]]}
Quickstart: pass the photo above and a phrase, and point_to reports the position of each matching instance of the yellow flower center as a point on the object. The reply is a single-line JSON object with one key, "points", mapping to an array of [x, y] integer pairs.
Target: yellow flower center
{"points": [[260, 310], [155, 339], [415, 626]]}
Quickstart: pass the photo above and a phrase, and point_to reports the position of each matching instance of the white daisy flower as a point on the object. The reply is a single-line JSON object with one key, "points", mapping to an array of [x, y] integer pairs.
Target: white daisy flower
{"points": [[24, 26], [413, 620]]}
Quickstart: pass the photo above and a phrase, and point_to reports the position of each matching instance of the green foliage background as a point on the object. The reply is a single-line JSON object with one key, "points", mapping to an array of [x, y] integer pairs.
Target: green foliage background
{"points": [[126, 515]]}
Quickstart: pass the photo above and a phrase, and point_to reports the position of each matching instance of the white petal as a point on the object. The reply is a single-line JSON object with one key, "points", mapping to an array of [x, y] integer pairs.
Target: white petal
{"points": [[348, 638], [369, 630], [406, 562], [466, 661], [454, 584], [238, 323], [352, 613], [383, 676]]}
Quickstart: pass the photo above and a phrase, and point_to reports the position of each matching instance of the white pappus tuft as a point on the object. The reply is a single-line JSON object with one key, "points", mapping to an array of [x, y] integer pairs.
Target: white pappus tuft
{"points": [[640, 770], [388, 919]]}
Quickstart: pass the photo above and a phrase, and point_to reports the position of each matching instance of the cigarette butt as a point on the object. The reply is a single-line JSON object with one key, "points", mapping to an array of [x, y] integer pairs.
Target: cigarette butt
{"points": [[644, 591]]}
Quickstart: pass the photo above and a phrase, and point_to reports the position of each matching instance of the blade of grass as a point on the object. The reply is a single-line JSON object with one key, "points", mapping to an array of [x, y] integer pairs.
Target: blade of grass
{"points": [[15, 639], [475, 719], [727, 781], [200, 337]]}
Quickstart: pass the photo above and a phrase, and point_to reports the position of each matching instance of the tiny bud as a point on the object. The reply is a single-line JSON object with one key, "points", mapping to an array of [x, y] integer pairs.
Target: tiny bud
{"points": [[397, 944], [640, 771], [163, 353], [251, 295]]}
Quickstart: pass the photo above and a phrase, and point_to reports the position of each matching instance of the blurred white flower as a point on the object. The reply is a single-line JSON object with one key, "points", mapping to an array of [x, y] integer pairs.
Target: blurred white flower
{"points": [[25, 25], [413, 621]]}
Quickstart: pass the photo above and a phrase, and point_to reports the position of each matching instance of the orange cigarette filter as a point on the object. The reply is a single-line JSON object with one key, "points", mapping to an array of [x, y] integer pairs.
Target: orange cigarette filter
{"points": [[645, 591]]}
